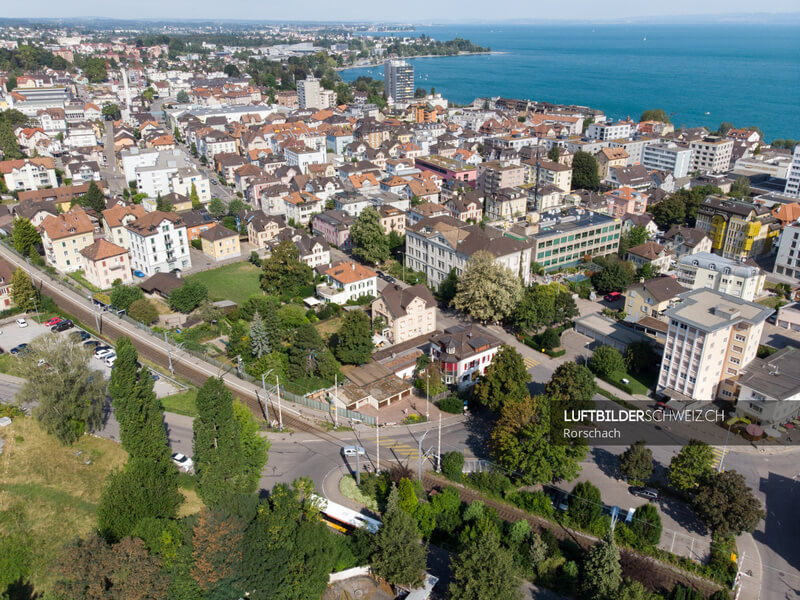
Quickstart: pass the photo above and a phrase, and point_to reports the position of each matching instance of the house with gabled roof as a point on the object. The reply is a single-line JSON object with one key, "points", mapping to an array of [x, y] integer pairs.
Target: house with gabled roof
{"points": [[104, 263], [407, 312]]}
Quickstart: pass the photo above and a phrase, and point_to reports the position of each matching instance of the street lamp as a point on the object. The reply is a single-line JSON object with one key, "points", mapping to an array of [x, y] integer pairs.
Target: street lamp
{"points": [[427, 394], [419, 454], [724, 449], [36, 306]]}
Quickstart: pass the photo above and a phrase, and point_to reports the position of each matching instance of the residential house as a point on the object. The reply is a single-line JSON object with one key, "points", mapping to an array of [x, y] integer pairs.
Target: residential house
{"points": [[738, 229], [347, 280], [6, 273], [463, 353], [625, 201], [159, 243], [115, 222], [35, 210], [314, 250], [650, 253], [29, 173], [334, 226], [220, 243], [769, 389], [407, 312], [711, 154], [686, 240], [63, 238], [706, 270], [609, 158], [104, 263], [634, 176], [300, 206], [467, 207], [545, 171], [505, 205], [787, 260], [196, 222], [425, 210], [651, 298], [495, 176], [711, 338], [263, 228], [392, 219]]}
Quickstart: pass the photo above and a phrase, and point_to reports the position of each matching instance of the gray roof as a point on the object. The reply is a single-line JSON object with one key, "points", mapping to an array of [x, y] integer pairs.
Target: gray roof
{"points": [[691, 235], [661, 288], [776, 376], [397, 298], [714, 262], [710, 310]]}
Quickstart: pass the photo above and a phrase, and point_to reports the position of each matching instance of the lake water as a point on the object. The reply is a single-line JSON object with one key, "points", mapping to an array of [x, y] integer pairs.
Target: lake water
{"points": [[702, 75]]}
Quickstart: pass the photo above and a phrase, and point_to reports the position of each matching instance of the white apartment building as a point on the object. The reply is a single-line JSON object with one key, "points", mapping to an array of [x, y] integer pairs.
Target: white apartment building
{"points": [[302, 156], [711, 154], [348, 280], [308, 93], [27, 174], [793, 176], [707, 270], [216, 142], [711, 337], [159, 243], [669, 157], [300, 206], [610, 131], [163, 172], [787, 262]]}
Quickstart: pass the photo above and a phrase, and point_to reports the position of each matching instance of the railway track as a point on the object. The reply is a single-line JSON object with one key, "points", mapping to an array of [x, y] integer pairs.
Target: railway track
{"points": [[652, 573]]}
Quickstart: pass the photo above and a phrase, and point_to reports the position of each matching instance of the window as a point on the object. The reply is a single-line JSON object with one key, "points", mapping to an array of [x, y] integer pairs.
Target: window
{"points": [[735, 361]]}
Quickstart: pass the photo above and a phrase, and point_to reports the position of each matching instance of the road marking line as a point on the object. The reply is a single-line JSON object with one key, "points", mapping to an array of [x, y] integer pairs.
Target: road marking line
{"points": [[530, 362]]}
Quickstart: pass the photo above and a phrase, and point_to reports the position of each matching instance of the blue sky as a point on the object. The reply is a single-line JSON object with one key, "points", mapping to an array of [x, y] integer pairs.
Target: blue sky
{"points": [[406, 11]]}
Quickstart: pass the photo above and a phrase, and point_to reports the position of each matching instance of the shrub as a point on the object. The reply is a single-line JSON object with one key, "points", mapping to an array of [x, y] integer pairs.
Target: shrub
{"points": [[537, 503], [451, 404], [453, 465], [143, 311], [550, 339], [492, 483]]}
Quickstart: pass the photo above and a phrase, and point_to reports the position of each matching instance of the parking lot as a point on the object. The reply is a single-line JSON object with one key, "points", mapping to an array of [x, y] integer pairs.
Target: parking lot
{"points": [[12, 335]]}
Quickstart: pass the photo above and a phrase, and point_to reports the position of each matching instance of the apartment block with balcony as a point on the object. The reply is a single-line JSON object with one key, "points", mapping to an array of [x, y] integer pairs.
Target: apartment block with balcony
{"points": [[738, 229], [669, 157], [347, 280], [63, 238], [787, 261], [711, 337], [792, 187], [706, 270], [496, 175], [29, 173], [711, 154], [159, 243], [651, 298], [546, 171]]}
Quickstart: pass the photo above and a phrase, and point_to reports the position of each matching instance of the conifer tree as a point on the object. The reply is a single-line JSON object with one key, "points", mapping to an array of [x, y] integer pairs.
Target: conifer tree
{"points": [[259, 338], [398, 554]]}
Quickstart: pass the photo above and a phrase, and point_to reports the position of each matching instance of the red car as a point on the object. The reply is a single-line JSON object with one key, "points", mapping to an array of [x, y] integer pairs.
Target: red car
{"points": [[612, 297], [53, 321]]}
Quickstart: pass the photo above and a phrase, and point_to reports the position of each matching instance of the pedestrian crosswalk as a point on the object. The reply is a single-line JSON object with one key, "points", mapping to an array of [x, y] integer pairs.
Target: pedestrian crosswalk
{"points": [[400, 449], [716, 451], [529, 362]]}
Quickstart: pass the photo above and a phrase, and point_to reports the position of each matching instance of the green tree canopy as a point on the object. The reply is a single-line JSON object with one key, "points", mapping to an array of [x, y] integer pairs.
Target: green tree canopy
{"points": [[656, 114], [122, 296], [487, 290], [216, 208], [606, 360], [398, 554], [584, 171], [505, 380], [646, 524], [23, 293], [308, 355], [188, 297], [92, 199], [485, 569], [370, 243], [182, 97], [602, 572], [613, 277], [24, 236], [554, 152], [691, 467], [585, 504], [352, 344], [726, 505], [636, 463], [448, 287], [543, 305], [143, 311], [283, 271], [574, 383], [70, 404]]}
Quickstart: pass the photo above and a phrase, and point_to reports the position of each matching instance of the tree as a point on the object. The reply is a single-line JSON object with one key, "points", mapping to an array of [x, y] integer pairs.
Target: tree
{"points": [[584, 171], [287, 550], [231, 70], [219, 464], [691, 466], [182, 97], [163, 204], [640, 357], [370, 243], [217, 540], [638, 235], [613, 277], [255, 449], [95, 70], [259, 339], [602, 573], [487, 290], [726, 505], [122, 381], [741, 187], [655, 114], [93, 199], [453, 465], [670, 211], [646, 271], [636, 463], [505, 380], [216, 208], [606, 360], [448, 287], [143, 311], [352, 344], [308, 355], [646, 524], [550, 339], [724, 128], [574, 383], [71, 403], [23, 293], [235, 206], [429, 380], [523, 441], [398, 554], [554, 153], [194, 197], [24, 236], [585, 504], [122, 296], [188, 297], [111, 112], [283, 272], [91, 569], [484, 569]]}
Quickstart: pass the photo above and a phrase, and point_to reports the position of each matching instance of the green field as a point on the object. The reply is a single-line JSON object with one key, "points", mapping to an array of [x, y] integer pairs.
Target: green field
{"points": [[235, 282], [183, 403], [638, 384]]}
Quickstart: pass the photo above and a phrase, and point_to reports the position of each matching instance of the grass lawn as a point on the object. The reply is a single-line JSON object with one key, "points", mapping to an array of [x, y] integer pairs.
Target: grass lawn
{"points": [[8, 364], [54, 493], [349, 489], [328, 327], [183, 403], [639, 384], [236, 282], [773, 301]]}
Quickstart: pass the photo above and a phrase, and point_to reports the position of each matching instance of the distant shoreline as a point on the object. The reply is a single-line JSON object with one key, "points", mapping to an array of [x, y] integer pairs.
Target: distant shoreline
{"points": [[378, 64]]}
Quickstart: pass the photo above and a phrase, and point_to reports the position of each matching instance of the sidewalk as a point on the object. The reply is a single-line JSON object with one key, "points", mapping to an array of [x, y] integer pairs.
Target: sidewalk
{"points": [[751, 567]]}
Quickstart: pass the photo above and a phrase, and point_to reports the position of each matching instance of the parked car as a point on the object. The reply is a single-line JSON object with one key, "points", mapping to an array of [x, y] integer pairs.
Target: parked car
{"points": [[353, 451], [644, 492], [92, 344], [612, 296], [183, 462], [111, 359], [22, 322], [138, 273], [53, 321], [62, 326], [102, 351], [80, 335], [18, 348]]}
